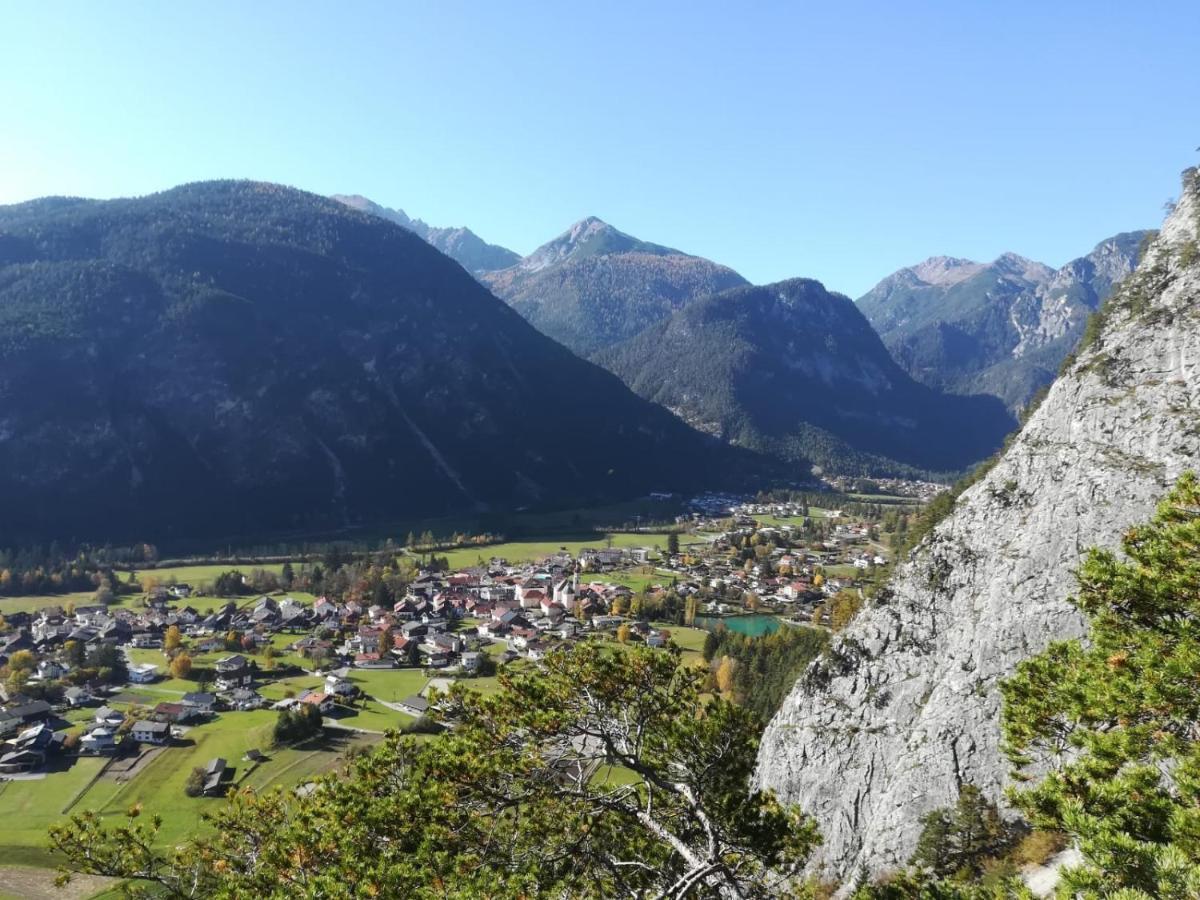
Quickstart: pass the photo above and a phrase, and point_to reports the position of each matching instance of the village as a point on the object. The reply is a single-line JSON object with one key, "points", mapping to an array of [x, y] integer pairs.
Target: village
{"points": [[174, 691]]}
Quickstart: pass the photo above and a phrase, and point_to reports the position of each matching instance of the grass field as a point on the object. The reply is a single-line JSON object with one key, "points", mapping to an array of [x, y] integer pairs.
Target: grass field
{"points": [[814, 512], [32, 883], [159, 786], [637, 579], [526, 551], [197, 575]]}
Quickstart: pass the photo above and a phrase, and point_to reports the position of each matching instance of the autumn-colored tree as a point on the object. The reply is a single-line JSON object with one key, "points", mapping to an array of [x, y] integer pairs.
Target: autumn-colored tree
{"points": [[726, 673], [690, 609], [842, 608], [623, 633], [181, 665], [386, 641], [173, 639]]}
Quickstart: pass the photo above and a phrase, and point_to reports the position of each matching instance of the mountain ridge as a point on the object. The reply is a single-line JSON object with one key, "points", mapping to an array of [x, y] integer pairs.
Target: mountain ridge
{"points": [[241, 358], [1002, 327], [461, 244], [593, 286], [796, 371]]}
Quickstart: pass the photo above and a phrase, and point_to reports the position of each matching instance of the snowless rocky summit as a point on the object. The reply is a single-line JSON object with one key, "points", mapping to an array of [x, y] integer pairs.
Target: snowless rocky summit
{"points": [[905, 706]]}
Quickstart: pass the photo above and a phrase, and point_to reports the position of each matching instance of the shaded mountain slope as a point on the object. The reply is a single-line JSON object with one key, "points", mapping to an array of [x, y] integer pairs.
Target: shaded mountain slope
{"points": [[229, 358]]}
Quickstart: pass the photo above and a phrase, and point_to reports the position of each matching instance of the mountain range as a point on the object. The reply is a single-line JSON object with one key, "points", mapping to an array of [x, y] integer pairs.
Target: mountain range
{"points": [[796, 371], [233, 358], [790, 370], [1000, 328], [594, 286]]}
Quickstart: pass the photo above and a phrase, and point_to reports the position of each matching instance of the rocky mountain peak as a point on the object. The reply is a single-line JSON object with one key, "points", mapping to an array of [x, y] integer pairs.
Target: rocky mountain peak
{"points": [[1000, 328], [588, 237], [1017, 266], [366, 205], [944, 270], [904, 707]]}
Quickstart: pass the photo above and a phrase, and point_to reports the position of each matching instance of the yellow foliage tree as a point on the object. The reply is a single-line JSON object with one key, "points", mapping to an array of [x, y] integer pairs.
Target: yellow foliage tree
{"points": [[173, 638], [725, 675], [843, 608], [623, 634], [181, 666]]}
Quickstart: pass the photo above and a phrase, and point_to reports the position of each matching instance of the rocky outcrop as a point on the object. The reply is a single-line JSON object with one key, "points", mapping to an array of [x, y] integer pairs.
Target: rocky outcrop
{"points": [[462, 245], [904, 708]]}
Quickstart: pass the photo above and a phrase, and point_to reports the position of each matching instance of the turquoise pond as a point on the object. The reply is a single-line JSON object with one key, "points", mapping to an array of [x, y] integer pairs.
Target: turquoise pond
{"points": [[752, 625]]}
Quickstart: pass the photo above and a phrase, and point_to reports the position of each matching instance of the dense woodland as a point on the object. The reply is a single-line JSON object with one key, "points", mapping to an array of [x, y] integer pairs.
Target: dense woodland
{"points": [[758, 672], [215, 405]]}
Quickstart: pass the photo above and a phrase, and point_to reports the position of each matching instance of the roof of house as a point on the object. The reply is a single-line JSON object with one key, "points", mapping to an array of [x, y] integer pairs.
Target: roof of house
{"points": [[420, 704]]}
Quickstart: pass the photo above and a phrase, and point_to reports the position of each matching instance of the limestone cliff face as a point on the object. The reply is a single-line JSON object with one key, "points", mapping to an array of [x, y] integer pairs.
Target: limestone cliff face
{"points": [[905, 706]]}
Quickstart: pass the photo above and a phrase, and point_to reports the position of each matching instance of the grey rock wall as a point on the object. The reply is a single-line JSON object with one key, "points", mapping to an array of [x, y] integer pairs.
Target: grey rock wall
{"points": [[905, 707]]}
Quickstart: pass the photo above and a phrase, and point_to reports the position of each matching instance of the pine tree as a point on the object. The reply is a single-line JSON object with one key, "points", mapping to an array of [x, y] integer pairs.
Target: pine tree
{"points": [[1114, 716]]}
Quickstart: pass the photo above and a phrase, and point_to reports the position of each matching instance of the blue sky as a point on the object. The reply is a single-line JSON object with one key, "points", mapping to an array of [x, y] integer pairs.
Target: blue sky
{"points": [[836, 141]]}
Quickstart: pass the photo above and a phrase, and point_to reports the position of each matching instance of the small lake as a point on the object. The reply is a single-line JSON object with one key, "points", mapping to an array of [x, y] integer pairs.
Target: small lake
{"points": [[752, 625]]}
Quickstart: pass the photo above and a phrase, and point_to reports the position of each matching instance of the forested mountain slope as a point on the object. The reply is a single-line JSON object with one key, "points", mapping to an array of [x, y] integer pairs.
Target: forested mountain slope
{"points": [[229, 358], [795, 371]]}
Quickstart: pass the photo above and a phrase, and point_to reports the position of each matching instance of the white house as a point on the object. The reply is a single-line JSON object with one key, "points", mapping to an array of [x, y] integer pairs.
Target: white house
{"points": [[99, 740], [339, 685], [146, 732], [564, 593], [143, 673]]}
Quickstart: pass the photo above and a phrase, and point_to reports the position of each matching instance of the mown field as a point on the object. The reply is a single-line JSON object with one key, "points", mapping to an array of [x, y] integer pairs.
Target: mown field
{"points": [[28, 808], [528, 551]]}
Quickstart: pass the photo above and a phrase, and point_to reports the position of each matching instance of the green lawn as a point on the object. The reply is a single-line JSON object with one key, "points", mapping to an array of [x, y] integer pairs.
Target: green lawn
{"points": [[159, 786], [392, 685], [525, 551], [370, 715], [687, 638], [637, 579], [28, 808], [197, 575]]}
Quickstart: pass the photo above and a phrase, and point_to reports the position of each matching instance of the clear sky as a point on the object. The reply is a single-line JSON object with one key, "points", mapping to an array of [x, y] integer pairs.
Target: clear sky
{"points": [[834, 140]]}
